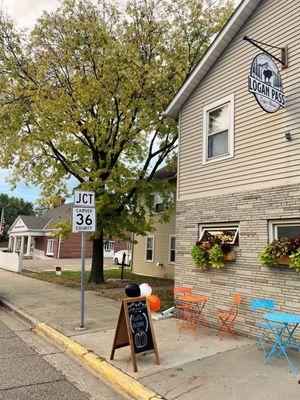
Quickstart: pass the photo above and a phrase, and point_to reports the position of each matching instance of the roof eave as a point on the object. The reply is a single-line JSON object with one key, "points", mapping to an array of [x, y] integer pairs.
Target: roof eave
{"points": [[238, 18]]}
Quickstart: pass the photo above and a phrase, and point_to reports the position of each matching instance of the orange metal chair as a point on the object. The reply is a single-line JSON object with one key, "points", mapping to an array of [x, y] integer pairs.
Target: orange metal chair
{"points": [[184, 308], [228, 318]]}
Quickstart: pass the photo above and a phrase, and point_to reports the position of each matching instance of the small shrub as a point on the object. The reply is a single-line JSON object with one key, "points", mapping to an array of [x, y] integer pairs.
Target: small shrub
{"points": [[267, 258], [216, 256], [295, 260], [199, 257]]}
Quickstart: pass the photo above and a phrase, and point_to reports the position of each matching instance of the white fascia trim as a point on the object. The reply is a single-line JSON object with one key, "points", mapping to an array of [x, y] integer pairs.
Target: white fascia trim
{"points": [[217, 47], [225, 100], [178, 157], [15, 221], [47, 224]]}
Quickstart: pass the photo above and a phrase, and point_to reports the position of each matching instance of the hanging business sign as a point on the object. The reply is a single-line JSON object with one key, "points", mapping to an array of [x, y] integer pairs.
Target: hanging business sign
{"points": [[265, 83]]}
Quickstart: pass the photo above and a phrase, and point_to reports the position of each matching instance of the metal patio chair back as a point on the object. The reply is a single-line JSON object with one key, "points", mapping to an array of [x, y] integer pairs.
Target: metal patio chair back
{"points": [[259, 307], [183, 309], [227, 318], [181, 290], [235, 305]]}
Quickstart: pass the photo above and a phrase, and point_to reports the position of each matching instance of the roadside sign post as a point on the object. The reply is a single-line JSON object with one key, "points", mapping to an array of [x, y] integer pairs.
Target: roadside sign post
{"points": [[83, 220], [82, 278]]}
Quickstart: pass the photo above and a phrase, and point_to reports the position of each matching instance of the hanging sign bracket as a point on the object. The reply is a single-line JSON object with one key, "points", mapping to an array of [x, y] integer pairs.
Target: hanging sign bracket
{"points": [[283, 50]]}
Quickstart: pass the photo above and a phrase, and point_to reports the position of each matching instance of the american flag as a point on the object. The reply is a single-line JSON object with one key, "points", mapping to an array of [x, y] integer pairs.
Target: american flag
{"points": [[2, 223]]}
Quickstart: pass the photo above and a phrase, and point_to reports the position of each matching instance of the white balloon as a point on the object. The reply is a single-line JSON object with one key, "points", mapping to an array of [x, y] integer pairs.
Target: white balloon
{"points": [[146, 289]]}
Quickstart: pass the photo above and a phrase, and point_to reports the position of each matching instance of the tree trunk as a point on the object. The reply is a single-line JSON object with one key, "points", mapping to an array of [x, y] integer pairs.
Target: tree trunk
{"points": [[97, 274]]}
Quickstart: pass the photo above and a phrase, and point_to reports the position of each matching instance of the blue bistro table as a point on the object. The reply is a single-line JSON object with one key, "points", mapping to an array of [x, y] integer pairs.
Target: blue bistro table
{"points": [[284, 336]]}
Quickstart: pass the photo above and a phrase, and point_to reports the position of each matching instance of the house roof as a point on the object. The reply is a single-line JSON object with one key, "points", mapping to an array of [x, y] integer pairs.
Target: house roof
{"points": [[168, 172], [223, 39], [59, 213], [40, 223], [31, 222]]}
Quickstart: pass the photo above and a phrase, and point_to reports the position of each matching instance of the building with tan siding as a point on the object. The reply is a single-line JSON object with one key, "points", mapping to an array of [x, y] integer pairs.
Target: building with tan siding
{"points": [[238, 165], [155, 253]]}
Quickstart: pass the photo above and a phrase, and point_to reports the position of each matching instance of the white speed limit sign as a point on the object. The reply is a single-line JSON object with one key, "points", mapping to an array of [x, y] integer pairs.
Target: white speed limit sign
{"points": [[84, 219]]}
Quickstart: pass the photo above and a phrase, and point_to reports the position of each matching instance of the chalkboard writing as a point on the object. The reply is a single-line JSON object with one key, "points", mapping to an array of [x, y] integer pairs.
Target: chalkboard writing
{"points": [[140, 326], [135, 329]]}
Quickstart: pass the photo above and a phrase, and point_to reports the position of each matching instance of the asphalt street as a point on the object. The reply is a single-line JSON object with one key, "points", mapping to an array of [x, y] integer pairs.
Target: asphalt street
{"points": [[33, 369]]}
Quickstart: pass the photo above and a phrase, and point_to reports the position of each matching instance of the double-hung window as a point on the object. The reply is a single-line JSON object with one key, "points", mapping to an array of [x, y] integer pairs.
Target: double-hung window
{"points": [[218, 130], [158, 203], [172, 248], [150, 248], [284, 229], [50, 247]]}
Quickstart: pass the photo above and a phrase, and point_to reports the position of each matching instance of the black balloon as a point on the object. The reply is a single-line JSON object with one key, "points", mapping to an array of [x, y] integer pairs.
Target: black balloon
{"points": [[132, 290]]}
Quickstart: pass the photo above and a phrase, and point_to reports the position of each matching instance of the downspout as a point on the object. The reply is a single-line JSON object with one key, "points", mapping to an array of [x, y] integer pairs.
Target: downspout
{"points": [[58, 247]]}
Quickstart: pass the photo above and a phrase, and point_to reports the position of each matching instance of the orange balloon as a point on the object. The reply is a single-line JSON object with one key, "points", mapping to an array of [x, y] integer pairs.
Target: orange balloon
{"points": [[154, 302]]}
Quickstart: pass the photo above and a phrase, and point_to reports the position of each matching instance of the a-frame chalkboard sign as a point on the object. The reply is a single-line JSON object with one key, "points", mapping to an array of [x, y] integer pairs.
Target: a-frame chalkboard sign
{"points": [[135, 329]]}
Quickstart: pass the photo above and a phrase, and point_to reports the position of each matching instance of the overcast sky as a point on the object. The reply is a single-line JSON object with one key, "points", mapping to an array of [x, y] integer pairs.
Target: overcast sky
{"points": [[25, 12]]}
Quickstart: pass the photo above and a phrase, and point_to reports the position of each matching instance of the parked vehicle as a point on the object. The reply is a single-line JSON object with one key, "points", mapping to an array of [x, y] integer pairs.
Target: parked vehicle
{"points": [[118, 257]]}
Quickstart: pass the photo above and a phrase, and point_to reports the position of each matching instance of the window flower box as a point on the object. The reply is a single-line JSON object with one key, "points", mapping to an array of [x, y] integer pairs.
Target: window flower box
{"points": [[282, 252], [230, 256], [213, 251], [283, 261]]}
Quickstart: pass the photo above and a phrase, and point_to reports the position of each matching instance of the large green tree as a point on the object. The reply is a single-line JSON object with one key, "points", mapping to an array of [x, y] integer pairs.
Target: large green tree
{"points": [[13, 207], [83, 94]]}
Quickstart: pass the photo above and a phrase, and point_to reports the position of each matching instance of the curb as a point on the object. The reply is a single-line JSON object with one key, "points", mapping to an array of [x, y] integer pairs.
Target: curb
{"points": [[114, 376]]}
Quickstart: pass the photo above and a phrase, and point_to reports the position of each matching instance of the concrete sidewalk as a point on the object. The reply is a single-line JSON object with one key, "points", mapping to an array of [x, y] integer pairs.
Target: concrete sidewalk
{"points": [[190, 369]]}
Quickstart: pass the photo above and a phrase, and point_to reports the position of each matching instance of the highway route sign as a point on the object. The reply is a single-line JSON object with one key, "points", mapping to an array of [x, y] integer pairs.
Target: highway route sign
{"points": [[83, 219]]}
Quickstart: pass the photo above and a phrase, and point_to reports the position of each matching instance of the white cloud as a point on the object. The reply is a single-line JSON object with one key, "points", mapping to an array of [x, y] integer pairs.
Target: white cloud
{"points": [[25, 12]]}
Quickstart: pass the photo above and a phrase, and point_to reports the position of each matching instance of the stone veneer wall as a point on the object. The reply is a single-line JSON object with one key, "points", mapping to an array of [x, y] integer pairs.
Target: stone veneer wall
{"points": [[246, 276]]}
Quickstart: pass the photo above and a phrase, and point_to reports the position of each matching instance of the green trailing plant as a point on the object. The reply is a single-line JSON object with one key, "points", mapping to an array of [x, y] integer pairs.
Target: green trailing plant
{"points": [[267, 258], [199, 257], [216, 255], [210, 252], [295, 260], [282, 248]]}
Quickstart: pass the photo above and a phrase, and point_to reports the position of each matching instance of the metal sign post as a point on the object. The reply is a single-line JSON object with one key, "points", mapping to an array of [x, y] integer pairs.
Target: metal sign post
{"points": [[83, 220], [82, 278]]}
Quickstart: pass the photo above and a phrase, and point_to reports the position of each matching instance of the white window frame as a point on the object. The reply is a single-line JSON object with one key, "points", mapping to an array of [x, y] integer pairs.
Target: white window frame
{"points": [[158, 200], [170, 249], [48, 249], [217, 227], [18, 244], [109, 245], [146, 248], [208, 108], [273, 227]]}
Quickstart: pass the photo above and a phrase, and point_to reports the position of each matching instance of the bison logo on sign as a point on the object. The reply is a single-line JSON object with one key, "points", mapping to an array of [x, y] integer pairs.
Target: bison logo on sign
{"points": [[266, 84]]}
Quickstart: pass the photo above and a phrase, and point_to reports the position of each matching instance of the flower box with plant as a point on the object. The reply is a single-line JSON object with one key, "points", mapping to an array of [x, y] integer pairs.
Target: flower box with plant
{"points": [[282, 252], [212, 252]]}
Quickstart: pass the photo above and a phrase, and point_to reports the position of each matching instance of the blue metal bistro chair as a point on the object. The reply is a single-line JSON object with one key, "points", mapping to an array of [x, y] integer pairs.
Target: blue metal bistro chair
{"points": [[260, 306]]}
